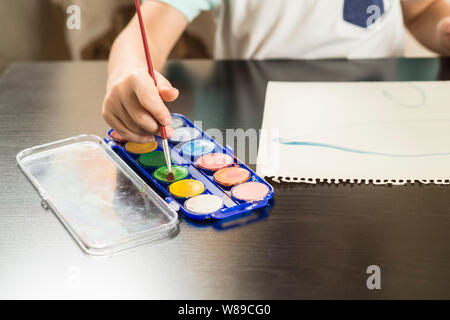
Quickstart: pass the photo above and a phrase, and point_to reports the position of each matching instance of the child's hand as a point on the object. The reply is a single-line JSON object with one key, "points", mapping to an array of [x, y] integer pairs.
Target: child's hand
{"points": [[443, 32], [135, 108]]}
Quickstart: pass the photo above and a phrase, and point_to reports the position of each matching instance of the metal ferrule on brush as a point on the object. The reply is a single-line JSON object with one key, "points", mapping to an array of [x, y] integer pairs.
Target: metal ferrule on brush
{"points": [[166, 149], [167, 154]]}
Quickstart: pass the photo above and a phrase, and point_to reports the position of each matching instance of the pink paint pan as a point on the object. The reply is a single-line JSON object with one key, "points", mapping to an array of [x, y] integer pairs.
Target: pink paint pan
{"points": [[214, 161], [250, 191], [117, 137]]}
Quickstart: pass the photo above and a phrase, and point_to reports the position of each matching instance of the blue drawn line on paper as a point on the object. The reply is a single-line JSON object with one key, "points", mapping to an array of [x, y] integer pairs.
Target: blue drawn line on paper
{"points": [[387, 94], [358, 151]]}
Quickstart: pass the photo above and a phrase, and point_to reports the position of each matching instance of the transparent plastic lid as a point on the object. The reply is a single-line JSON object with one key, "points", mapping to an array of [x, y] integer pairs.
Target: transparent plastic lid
{"points": [[104, 204]]}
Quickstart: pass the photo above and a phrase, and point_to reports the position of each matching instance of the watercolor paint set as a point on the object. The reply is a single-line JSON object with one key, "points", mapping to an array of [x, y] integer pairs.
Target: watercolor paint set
{"points": [[209, 181], [112, 195]]}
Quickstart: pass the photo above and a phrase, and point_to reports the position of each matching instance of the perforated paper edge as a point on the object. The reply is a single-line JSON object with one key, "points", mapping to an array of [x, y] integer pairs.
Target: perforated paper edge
{"points": [[377, 182]]}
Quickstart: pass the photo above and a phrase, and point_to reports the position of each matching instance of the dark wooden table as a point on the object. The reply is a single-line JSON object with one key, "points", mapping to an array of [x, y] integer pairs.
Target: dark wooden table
{"points": [[316, 241]]}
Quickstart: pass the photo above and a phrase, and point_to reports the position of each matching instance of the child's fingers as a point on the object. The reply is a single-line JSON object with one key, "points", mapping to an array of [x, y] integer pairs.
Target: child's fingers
{"points": [[131, 125], [139, 115], [148, 96], [135, 108], [113, 107], [118, 125]]}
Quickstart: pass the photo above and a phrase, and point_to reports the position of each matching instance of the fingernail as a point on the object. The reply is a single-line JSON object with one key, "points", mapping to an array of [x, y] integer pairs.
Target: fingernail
{"points": [[167, 121]]}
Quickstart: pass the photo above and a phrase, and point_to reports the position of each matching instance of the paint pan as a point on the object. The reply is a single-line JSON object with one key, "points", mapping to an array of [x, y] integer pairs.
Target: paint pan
{"points": [[152, 160], [137, 149], [204, 204], [179, 173], [186, 188], [231, 176], [214, 161], [117, 138], [197, 148], [250, 191], [184, 134], [177, 122]]}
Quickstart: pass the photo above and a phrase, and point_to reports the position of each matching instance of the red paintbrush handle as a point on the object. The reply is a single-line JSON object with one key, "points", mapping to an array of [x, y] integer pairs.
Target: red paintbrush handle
{"points": [[145, 42], [163, 132]]}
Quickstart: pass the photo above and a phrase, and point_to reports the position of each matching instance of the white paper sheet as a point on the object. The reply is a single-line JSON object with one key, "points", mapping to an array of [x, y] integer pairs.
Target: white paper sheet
{"points": [[379, 132]]}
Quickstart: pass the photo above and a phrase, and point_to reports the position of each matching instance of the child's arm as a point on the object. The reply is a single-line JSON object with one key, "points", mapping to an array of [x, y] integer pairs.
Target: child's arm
{"points": [[133, 106], [429, 22]]}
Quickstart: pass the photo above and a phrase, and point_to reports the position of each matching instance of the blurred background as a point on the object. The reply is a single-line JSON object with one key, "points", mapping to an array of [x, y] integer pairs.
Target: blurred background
{"points": [[35, 30]]}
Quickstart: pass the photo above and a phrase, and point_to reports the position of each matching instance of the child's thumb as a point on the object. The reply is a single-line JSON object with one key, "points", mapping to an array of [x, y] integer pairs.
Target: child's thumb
{"points": [[167, 92]]}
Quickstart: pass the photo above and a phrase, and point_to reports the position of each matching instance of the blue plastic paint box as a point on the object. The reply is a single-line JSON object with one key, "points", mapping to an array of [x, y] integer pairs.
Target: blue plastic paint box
{"points": [[189, 144]]}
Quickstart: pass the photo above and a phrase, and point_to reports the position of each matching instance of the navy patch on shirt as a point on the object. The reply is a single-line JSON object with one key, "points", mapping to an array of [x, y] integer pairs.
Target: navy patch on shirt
{"points": [[360, 12]]}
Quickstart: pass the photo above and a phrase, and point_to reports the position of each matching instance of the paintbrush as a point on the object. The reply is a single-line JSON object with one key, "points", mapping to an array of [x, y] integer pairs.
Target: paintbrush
{"points": [[148, 57]]}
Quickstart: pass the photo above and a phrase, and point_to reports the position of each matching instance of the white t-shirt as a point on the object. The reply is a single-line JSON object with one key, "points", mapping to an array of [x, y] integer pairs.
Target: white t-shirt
{"points": [[302, 29]]}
